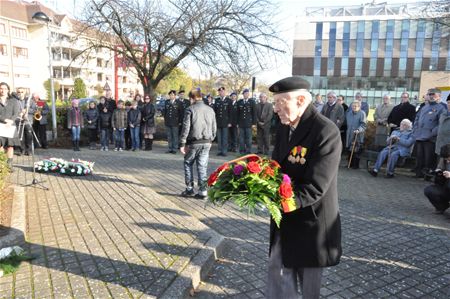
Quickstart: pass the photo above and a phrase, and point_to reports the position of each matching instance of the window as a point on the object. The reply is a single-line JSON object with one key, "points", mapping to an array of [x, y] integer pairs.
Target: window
{"points": [[18, 32], [56, 54], [57, 73], [2, 28], [3, 50], [99, 77], [66, 73], [99, 62], [20, 52]]}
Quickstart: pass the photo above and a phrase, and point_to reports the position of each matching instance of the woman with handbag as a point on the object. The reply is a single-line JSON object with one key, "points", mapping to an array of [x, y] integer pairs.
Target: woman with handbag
{"points": [[439, 193]]}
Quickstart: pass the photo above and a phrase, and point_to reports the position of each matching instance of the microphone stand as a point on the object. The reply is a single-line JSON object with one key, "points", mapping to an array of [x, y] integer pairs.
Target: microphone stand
{"points": [[34, 183]]}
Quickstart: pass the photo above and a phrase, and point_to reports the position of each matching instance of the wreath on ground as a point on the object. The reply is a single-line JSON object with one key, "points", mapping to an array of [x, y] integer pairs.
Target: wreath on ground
{"points": [[72, 167]]}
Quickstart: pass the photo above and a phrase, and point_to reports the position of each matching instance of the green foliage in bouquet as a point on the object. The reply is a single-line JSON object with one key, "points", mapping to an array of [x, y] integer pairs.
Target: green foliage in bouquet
{"points": [[252, 182], [74, 167]]}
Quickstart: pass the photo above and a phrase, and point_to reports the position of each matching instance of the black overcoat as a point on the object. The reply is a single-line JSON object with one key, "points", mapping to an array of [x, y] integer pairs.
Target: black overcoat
{"points": [[311, 235]]}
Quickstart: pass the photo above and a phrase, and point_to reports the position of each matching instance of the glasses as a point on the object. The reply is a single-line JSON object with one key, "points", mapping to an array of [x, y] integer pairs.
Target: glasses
{"points": [[431, 94]]}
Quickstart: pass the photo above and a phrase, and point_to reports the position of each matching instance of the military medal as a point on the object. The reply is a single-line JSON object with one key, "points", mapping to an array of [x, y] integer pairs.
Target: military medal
{"points": [[297, 155]]}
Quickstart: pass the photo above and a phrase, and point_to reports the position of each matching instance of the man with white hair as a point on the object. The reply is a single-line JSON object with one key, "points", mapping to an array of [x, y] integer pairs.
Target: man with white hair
{"points": [[381, 120], [399, 145], [333, 110], [308, 148]]}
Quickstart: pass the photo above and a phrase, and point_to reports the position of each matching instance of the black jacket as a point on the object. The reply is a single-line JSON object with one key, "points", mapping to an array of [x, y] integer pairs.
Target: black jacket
{"points": [[233, 113], [92, 116], [104, 120], [222, 108], [134, 117], [400, 112], [148, 115], [246, 113], [311, 235], [173, 113]]}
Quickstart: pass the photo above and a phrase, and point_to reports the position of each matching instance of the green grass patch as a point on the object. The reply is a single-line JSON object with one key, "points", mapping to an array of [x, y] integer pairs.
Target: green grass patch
{"points": [[10, 265]]}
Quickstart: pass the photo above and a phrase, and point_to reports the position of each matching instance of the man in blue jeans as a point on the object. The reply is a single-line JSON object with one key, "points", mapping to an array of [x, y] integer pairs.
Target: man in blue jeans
{"points": [[198, 131]]}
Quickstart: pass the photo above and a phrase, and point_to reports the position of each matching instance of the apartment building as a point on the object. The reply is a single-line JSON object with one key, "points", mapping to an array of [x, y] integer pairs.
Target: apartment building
{"points": [[24, 55]]}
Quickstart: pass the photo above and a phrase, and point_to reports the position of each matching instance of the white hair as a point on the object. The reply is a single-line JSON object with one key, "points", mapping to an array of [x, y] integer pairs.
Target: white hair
{"points": [[407, 122]]}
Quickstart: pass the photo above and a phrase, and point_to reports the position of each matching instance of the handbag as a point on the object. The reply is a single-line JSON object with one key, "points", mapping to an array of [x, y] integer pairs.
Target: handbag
{"points": [[7, 131]]}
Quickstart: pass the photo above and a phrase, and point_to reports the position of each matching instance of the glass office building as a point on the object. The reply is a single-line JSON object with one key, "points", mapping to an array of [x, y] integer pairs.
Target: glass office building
{"points": [[373, 48]]}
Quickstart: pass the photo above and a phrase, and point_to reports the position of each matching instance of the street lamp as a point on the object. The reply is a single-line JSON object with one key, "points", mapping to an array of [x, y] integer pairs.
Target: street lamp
{"points": [[43, 18]]}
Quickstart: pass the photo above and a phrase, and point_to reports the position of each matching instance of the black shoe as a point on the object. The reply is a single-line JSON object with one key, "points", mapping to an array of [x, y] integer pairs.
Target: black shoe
{"points": [[168, 152], [199, 196], [219, 154], [173, 152], [389, 176], [45, 147], [373, 173], [419, 176], [27, 153], [187, 193]]}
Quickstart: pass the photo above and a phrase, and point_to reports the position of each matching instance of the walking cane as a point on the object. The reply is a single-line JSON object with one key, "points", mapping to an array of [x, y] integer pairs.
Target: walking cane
{"points": [[353, 149], [389, 154]]}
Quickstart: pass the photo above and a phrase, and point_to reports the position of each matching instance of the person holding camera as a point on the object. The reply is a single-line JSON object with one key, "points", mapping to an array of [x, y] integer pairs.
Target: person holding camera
{"points": [[439, 193]]}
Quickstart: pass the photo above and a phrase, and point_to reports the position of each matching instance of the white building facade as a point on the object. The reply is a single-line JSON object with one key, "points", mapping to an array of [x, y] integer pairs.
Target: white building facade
{"points": [[24, 56]]}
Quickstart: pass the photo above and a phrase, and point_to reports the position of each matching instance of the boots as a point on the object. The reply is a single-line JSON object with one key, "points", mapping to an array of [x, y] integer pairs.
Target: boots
{"points": [[77, 145], [150, 144], [146, 144], [74, 145], [355, 163]]}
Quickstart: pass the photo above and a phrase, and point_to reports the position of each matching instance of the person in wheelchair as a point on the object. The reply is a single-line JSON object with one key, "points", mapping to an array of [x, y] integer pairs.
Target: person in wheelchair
{"points": [[439, 193], [399, 145]]}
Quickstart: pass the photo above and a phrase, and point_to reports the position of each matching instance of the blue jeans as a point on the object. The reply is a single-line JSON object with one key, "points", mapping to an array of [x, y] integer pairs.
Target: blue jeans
{"points": [[119, 135], [76, 132], [198, 153], [135, 137], [245, 140], [104, 137], [172, 138], [383, 155], [222, 140]]}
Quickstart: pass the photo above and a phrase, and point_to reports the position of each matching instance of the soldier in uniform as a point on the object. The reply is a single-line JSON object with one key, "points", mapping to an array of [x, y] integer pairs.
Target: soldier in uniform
{"points": [[185, 103], [173, 116], [222, 108], [308, 148], [246, 117], [233, 143]]}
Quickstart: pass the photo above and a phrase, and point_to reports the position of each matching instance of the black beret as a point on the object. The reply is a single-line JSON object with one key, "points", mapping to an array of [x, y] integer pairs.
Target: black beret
{"points": [[173, 91], [289, 84]]}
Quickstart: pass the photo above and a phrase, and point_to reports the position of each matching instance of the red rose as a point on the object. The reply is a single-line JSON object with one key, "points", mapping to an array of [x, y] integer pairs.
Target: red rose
{"points": [[253, 159], [254, 167], [269, 171], [285, 190], [213, 178]]}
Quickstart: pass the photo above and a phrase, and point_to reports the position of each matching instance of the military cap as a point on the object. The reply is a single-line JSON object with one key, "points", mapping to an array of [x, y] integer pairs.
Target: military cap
{"points": [[220, 88], [245, 90], [434, 90], [289, 84], [233, 94], [181, 91], [172, 91]]}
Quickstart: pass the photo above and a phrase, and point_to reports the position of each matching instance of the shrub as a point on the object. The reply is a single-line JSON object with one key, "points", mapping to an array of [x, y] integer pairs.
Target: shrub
{"points": [[4, 170]]}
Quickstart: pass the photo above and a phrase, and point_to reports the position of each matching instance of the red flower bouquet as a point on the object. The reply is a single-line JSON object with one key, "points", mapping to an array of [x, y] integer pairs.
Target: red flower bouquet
{"points": [[252, 181]]}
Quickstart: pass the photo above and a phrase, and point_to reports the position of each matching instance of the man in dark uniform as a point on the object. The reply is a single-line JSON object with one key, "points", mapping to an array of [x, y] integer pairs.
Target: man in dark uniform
{"points": [[308, 148], [185, 104], [173, 117], [222, 108], [233, 143], [246, 117]]}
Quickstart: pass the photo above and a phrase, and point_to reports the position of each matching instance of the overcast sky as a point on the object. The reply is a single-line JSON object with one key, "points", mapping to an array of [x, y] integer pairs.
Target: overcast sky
{"points": [[290, 11]]}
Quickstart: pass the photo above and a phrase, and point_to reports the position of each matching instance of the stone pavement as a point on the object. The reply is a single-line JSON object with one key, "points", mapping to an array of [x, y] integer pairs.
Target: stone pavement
{"points": [[125, 232]]}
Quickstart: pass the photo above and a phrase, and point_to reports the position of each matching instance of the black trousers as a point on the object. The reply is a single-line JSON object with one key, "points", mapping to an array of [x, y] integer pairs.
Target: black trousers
{"points": [[263, 139], [92, 135], [41, 133], [439, 196], [27, 136], [233, 142], [425, 156]]}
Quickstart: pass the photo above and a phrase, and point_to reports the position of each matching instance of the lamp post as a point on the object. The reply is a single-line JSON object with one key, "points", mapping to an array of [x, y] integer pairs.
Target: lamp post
{"points": [[43, 18]]}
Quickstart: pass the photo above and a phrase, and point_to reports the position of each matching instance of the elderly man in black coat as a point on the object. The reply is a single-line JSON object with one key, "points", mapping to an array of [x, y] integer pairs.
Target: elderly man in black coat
{"points": [[309, 238]]}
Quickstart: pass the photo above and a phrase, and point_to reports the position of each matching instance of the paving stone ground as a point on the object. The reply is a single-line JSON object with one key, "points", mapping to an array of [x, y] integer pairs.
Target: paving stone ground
{"points": [[126, 232]]}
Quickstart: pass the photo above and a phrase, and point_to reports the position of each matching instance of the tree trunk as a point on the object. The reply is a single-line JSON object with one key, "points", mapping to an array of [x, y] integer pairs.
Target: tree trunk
{"points": [[150, 89]]}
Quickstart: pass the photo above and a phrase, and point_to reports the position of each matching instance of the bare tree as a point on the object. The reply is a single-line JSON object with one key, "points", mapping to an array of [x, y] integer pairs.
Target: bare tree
{"points": [[436, 11], [156, 36]]}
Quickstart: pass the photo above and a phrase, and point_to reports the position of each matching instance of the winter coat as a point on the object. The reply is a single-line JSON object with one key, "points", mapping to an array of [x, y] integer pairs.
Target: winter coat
{"points": [[336, 115], [427, 122], [119, 119], [148, 115], [400, 112], [199, 124], [404, 143], [104, 120], [72, 115], [443, 134], [355, 121], [134, 118], [91, 118]]}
